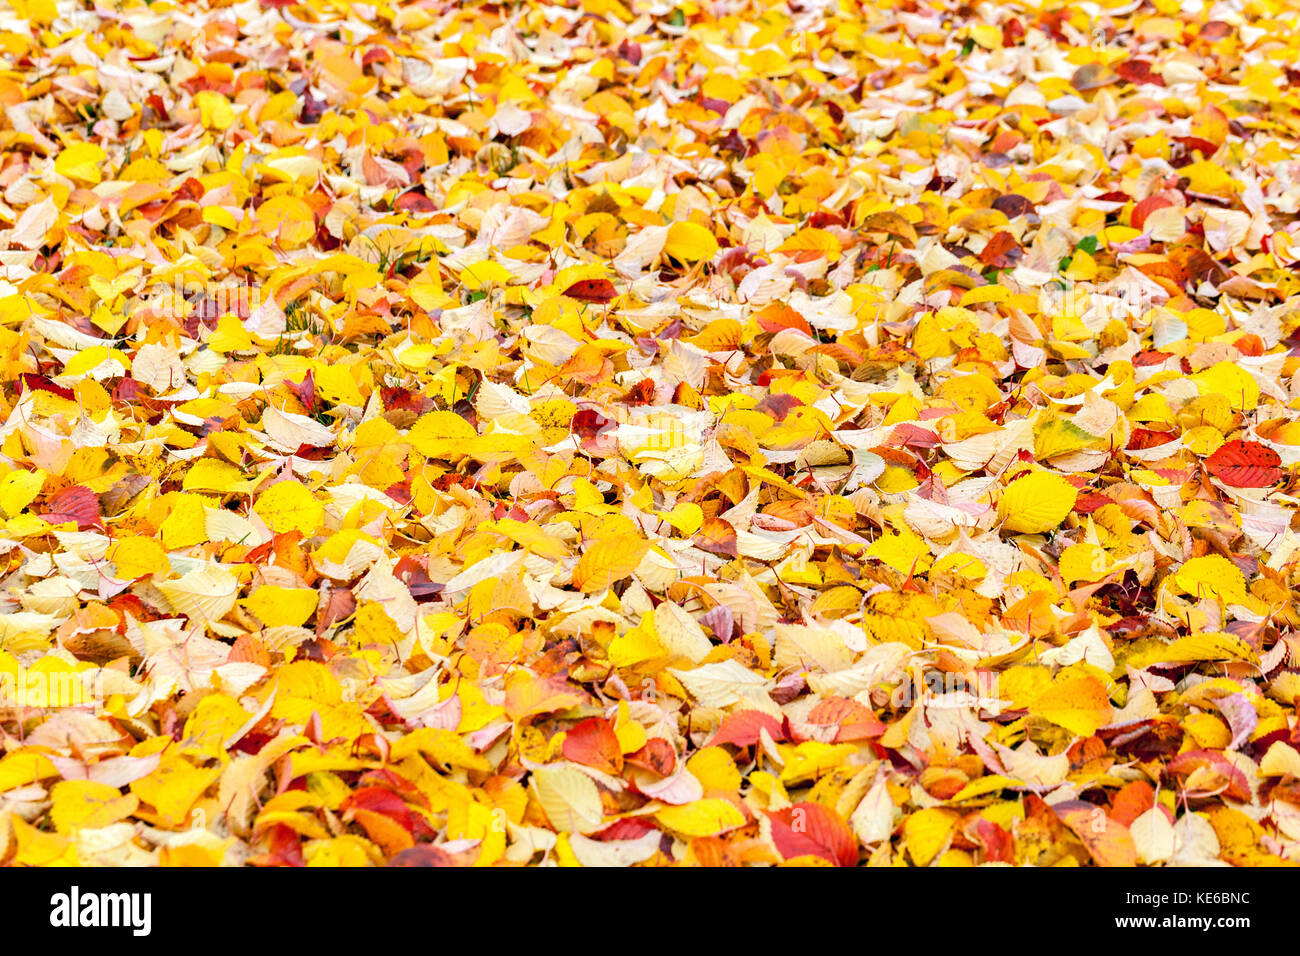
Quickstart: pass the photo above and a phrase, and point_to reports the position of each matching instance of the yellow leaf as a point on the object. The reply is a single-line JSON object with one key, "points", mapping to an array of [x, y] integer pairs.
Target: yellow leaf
{"points": [[1209, 123], [1210, 178], [485, 273], [440, 434], [204, 595], [214, 110], [471, 820], [812, 758], [443, 746], [426, 290], [1232, 382], [81, 161], [1036, 502], [987, 36], [1060, 437], [1213, 576], [336, 384], [1084, 562], [635, 646], [569, 798], [18, 489], [701, 818], [1282, 760], [686, 517], [346, 850], [608, 561], [631, 735], [530, 537], [22, 767], [212, 474], [214, 720], [287, 506], [38, 848], [810, 239], [185, 524], [1207, 730], [136, 557], [1195, 647], [714, 769], [372, 625], [927, 832], [287, 218], [690, 242], [1077, 702], [906, 553], [277, 606], [173, 788]]}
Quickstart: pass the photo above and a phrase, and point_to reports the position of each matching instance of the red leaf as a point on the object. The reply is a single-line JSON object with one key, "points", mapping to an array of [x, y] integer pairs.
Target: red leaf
{"points": [[400, 492], [304, 391], [1139, 71], [387, 779], [907, 435], [1147, 206], [414, 574], [1151, 357], [717, 536], [283, 848], [1002, 251], [716, 105], [630, 51], [1195, 143], [767, 377], [593, 743], [1106, 839], [657, 756], [810, 829], [140, 397], [1245, 464], [777, 316], [1250, 344], [381, 800], [741, 729], [1132, 801], [1012, 205], [778, 405], [629, 828], [1143, 438], [1090, 501], [426, 854], [42, 384], [642, 393], [855, 721], [155, 103], [1185, 763], [403, 399], [996, 842], [588, 423], [592, 290], [341, 604], [415, 202], [76, 503]]}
